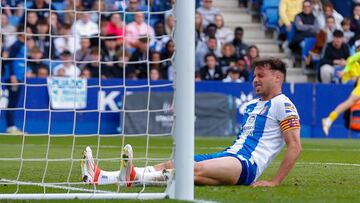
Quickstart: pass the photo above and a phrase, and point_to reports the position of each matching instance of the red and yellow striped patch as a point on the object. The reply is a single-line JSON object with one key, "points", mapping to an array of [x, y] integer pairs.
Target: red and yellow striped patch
{"points": [[289, 123]]}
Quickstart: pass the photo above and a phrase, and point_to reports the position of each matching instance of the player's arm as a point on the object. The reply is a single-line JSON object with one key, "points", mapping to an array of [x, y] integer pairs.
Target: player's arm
{"points": [[292, 139]]}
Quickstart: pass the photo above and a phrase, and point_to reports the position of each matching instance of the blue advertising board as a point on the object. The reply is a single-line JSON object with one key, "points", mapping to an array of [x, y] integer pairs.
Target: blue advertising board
{"points": [[106, 98]]}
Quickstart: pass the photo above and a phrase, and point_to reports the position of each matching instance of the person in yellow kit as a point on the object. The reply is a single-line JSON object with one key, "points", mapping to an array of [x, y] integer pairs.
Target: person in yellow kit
{"points": [[350, 72]]}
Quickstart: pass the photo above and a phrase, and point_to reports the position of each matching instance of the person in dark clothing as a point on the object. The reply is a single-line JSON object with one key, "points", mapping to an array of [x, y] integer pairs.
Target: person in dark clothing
{"points": [[244, 73], [355, 20], [336, 53], [43, 40], [14, 74], [35, 61], [211, 71], [306, 26], [240, 46], [138, 67], [228, 57]]}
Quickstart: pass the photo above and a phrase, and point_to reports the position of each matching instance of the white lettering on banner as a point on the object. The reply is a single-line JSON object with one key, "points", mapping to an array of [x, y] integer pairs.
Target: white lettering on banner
{"points": [[108, 100], [67, 93]]}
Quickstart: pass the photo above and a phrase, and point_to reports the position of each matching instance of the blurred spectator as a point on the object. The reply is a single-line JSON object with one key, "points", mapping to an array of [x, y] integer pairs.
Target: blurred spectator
{"points": [[244, 73], [203, 49], [118, 70], [138, 67], [306, 26], [169, 24], [240, 46], [223, 33], [197, 76], [166, 57], [251, 54], [228, 56], [155, 74], [329, 11], [42, 8], [233, 75], [43, 39], [158, 43], [161, 5], [35, 62], [199, 35], [355, 21], [345, 26], [133, 6], [288, 9], [84, 53], [93, 66], [336, 53], [116, 27], [98, 6], [7, 31], [210, 31], [55, 24], [136, 29], [31, 22], [87, 4], [211, 71], [155, 58], [71, 5], [65, 42], [317, 10], [330, 28], [85, 74], [207, 12], [14, 74], [43, 71], [84, 26], [109, 53], [8, 5], [67, 68]]}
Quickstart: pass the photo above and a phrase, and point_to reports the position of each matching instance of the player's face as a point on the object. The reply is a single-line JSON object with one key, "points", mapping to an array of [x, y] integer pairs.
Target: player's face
{"points": [[264, 81]]}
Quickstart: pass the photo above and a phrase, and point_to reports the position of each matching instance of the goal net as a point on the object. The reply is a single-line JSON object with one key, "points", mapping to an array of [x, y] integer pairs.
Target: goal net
{"points": [[99, 74]]}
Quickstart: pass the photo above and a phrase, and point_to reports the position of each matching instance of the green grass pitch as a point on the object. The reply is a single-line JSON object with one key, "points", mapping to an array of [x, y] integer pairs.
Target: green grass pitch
{"points": [[327, 171]]}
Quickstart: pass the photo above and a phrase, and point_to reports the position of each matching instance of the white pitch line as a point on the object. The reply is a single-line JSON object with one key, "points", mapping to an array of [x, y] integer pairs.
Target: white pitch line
{"points": [[328, 163], [203, 201], [199, 148]]}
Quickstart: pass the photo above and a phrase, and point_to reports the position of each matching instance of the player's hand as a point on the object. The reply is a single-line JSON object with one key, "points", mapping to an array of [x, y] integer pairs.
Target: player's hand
{"points": [[264, 183]]}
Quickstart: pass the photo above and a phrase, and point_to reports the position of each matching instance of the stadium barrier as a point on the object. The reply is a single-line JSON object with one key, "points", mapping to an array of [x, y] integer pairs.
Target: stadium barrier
{"points": [[219, 107]]}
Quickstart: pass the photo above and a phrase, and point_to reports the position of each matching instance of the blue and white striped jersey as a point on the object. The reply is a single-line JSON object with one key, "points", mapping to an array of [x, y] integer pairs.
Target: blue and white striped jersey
{"points": [[260, 138]]}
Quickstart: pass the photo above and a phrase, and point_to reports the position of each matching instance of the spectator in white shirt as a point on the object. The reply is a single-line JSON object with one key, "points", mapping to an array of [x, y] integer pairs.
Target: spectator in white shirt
{"points": [[65, 42], [67, 68], [224, 34], [208, 12], [6, 28]]}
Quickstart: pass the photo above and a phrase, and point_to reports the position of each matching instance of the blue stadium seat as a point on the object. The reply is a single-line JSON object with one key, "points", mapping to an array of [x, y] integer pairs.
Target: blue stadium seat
{"points": [[270, 18], [269, 4], [307, 45]]}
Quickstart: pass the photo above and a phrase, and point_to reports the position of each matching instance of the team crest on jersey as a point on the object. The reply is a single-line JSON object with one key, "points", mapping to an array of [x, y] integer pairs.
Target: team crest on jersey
{"points": [[289, 108], [251, 119]]}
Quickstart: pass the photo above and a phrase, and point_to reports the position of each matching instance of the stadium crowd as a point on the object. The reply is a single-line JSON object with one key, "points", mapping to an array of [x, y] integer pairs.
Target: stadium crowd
{"points": [[319, 36], [70, 38]]}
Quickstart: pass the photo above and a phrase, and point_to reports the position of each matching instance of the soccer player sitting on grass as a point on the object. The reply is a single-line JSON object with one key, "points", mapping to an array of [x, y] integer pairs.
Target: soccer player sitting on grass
{"points": [[269, 122]]}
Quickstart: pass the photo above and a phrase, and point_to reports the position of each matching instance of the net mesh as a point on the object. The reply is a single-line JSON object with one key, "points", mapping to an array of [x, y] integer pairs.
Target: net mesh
{"points": [[83, 73]]}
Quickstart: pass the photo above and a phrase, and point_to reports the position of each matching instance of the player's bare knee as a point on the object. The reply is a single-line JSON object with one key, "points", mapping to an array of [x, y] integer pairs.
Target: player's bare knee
{"points": [[199, 169]]}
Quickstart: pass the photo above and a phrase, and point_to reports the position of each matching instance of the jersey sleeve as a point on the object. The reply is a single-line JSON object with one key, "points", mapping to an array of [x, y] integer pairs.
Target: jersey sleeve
{"points": [[287, 115]]}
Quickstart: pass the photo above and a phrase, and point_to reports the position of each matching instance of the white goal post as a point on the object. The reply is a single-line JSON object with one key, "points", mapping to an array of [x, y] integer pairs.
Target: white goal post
{"points": [[182, 185]]}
